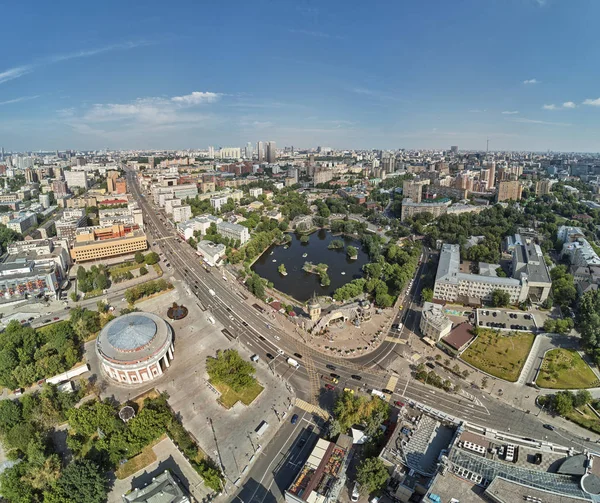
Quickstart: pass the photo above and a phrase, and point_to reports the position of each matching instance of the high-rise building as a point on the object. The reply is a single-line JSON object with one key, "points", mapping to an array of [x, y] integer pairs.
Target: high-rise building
{"points": [[454, 149], [510, 191], [542, 187], [30, 175], [260, 151], [211, 151], [271, 152], [388, 162], [249, 150], [413, 189], [59, 187]]}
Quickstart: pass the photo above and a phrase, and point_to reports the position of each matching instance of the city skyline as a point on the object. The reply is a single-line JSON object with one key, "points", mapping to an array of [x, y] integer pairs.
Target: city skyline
{"points": [[343, 75]]}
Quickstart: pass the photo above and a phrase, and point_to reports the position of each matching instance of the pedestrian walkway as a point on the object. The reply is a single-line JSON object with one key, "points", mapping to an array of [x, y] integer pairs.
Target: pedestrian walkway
{"points": [[394, 339], [312, 409]]}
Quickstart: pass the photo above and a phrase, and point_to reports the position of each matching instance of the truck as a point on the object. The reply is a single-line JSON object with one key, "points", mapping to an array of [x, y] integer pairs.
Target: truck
{"points": [[292, 363], [261, 428], [212, 292]]}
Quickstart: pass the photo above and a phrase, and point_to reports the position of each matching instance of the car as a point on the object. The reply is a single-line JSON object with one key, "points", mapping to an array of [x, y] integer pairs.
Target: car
{"points": [[549, 427], [334, 375], [297, 355], [332, 379], [330, 367], [245, 323], [67, 308], [355, 492], [31, 318], [398, 403], [261, 338], [330, 387], [270, 356], [280, 351], [47, 321], [277, 337], [356, 377], [228, 308], [349, 390], [430, 365], [388, 391], [395, 326], [56, 318]]}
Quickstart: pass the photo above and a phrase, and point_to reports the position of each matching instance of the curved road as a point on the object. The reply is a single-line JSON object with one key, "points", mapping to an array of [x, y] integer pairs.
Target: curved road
{"points": [[232, 307]]}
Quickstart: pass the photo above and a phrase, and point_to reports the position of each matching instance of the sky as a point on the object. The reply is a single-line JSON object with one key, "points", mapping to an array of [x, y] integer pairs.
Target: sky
{"points": [[348, 74]]}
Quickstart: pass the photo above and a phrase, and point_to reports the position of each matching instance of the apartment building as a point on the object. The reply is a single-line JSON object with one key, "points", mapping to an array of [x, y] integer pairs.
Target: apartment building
{"points": [[509, 191], [434, 324], [453, 285], [436, 208], [577, 247], [256, 191], [200, 224], [217, 202], [182, 213], [72, 219], [76, 179], [233, 231], [102, 243], [413, 189], [22, 222], [530, 277]]}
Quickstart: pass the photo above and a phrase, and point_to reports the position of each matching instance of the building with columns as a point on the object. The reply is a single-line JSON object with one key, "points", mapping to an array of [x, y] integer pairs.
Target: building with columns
{"points": [[135, 348]]}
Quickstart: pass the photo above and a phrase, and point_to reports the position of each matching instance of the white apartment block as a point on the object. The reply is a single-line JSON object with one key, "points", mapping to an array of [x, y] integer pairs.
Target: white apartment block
{"points": [[217, 201], [452, 285], [576, 247], [235, 231], [434, 323], [170, 204], [182, 213], [256, 191], [76, 179], [200, 224]]}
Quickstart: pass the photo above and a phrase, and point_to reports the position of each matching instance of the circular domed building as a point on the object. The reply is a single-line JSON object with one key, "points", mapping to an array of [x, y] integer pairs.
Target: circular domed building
{"points": [[135, 348]]}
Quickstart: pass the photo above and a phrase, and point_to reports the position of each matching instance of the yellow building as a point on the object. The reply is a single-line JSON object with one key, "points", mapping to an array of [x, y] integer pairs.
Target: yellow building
{"points": [[108, 242]]}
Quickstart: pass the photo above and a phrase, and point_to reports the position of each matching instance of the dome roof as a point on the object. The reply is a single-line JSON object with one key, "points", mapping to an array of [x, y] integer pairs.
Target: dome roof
{"points": [[133, 338], [130, 333]]}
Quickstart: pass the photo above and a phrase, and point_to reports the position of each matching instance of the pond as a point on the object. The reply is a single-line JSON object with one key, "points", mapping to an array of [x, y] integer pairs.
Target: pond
{"points": [[300, 284]]}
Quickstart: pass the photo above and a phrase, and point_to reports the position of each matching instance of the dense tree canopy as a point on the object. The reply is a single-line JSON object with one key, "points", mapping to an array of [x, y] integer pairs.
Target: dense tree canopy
{"points": [[371, 475], [27, 355], [230, 368]]}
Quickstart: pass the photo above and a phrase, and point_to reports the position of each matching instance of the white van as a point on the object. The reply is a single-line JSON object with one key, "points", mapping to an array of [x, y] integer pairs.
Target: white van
{"points": [[378, 393], [211, 320]]}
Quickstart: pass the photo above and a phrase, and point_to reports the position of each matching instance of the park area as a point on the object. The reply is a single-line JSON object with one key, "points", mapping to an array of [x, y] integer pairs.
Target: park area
{"points": [[498, 354], [565, 369]]}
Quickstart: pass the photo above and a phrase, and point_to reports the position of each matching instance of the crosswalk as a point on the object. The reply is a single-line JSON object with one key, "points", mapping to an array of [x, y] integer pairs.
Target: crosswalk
{"points": [[312, 409], [391, 384], [395, 340]]}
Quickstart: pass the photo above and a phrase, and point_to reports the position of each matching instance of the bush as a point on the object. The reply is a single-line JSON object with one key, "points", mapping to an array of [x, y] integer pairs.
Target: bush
{"points": [[152, 258], [143, 271], [146, 289]]}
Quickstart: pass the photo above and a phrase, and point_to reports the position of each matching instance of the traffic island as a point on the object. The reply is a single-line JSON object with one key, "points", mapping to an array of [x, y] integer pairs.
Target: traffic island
{"points": [[565, 369]]}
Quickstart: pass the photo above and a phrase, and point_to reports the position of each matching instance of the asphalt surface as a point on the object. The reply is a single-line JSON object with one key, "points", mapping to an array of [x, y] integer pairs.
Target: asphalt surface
{"points": [[231, 306]]}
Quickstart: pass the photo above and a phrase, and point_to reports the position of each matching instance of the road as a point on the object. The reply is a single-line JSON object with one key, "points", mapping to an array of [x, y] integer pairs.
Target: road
{"points": [[232, 306]]}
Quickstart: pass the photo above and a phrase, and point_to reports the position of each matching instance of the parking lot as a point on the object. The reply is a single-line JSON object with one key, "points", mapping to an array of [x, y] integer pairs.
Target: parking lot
{"points": [[503, 319]]}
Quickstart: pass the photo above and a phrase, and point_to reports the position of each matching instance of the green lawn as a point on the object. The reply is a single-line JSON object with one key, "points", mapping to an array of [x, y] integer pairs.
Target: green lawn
{"points": [[499, 354], [565, 369], [229, 397]]}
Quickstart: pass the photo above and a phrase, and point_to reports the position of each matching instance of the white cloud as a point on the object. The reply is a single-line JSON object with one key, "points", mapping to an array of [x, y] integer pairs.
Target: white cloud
{"points": [[535, 121], [196, 98], [316, 34], [19, 100], [566, 104], [19, 71], [509, 112], [592, 102], [531, 81], [477, 111]]}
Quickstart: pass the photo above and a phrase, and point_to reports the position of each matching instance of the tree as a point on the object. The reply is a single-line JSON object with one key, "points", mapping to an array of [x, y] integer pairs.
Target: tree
{"points": [[82, 480], [588, 318], [563, 402], [371, 475], [351, 251], [152, 258], [582, 397], [74, 296], [564, 292], [143, 271], [231, 369], [139, 257], [305, 239], [10, 414], [500, 298], [427, 295], [336, 244]]}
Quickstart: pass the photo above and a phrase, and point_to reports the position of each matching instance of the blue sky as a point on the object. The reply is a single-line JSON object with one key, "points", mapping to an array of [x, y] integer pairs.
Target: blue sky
{"points": [[345, 74]]}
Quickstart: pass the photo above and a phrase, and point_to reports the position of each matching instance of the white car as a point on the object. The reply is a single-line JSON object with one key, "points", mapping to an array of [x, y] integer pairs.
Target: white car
{"points": [[277, 337], [355, 492], [280, 351]]}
